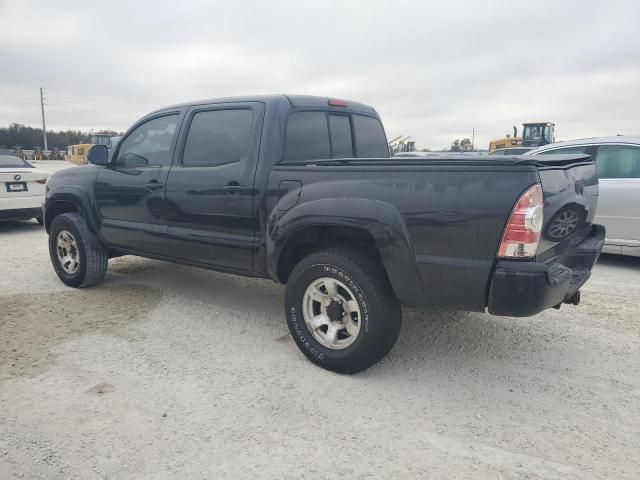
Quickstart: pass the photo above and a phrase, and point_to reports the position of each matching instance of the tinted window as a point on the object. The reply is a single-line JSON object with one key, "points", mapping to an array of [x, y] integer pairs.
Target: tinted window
{"points": [[307, 136], [150, 143], [340, 128], [370, 138], [566, 150], [618, 161], [217, 137], [7, 161]]}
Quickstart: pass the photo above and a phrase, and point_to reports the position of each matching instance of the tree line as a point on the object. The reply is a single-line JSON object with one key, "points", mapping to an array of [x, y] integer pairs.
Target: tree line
{"points": [[29, 138], [463, 145]]}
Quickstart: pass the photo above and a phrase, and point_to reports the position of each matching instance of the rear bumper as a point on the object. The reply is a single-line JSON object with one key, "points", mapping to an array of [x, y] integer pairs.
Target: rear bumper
{"points": [[21, 207], [20, 213], [21, 202], [522, 289]]}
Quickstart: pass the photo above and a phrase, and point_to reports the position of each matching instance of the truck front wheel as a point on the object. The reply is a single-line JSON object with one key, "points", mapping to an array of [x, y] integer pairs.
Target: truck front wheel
{"points": [[341, 310], [77, 260]]}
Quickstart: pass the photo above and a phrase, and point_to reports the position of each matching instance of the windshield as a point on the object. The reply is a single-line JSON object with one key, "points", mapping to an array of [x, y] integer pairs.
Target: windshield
{"points": [[532, 133], [7, 161]]}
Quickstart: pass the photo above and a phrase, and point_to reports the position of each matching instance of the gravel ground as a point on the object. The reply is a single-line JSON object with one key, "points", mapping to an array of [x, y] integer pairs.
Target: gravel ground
{"points": [[166, 371]]}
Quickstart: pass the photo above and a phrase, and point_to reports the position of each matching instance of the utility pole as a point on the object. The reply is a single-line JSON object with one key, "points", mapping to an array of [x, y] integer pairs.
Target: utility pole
{"points": [[473, 138], [44, 126]]}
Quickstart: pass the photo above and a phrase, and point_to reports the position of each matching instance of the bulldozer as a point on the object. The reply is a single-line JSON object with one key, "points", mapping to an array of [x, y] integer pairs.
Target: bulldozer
{"points": [[534, 134], [78, 153]]}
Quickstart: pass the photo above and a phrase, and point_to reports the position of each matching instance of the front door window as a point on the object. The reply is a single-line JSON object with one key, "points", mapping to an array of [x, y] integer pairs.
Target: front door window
{"points": [[149, 144]]}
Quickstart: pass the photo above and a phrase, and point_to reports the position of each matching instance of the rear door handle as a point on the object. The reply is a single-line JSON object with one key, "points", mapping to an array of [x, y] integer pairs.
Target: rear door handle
{"points": [[154, 185]]}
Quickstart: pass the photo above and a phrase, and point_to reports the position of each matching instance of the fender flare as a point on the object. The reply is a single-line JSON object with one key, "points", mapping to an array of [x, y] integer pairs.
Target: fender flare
{"points": [[380, 219], [84, 205]]}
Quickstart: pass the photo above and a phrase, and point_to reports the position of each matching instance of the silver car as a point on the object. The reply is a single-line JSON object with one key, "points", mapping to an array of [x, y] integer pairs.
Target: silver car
{"points": [[618, 163]]}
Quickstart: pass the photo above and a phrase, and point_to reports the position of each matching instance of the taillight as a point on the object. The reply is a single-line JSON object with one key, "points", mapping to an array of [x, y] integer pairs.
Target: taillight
{"points": [[521, 235], [42, 181]]}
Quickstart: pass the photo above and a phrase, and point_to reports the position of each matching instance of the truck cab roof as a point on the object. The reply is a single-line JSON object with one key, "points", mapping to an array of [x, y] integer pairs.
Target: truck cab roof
{"points": [[292, 101]]}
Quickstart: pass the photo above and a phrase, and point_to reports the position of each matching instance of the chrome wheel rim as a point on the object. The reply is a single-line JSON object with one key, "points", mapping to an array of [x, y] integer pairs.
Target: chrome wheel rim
{"points": [[331, 313], [67, 251], [564, 225]]}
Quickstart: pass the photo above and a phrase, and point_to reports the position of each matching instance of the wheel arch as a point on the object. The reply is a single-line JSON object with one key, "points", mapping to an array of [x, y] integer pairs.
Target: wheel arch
{"points": [[66, 199], [58, 207], [369, 226], [316, 237]]}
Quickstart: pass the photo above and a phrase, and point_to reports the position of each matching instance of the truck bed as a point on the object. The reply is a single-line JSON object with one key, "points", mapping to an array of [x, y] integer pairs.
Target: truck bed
{"points": [[442, 218]]}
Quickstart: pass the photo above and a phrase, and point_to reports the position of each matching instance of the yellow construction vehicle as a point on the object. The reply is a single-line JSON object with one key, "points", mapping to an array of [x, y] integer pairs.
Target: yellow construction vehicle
{"points": [[78, 153], [534, 134]]}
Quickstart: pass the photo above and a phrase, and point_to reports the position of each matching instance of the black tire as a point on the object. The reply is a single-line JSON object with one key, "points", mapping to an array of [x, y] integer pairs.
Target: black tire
{"points": [[93, 258], [381, 311]]}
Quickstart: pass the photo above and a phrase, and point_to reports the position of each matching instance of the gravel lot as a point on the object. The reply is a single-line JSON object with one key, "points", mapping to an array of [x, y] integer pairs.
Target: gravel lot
{"points": [[166, 371]]}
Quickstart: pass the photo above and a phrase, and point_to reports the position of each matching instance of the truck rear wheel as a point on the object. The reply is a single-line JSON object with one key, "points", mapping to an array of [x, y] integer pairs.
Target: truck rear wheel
{"points": [[78, 262], [341, 310]]}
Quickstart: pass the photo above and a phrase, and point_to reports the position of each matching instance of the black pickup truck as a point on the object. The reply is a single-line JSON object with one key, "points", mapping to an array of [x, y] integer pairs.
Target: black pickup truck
{"points": [[303, 190]]}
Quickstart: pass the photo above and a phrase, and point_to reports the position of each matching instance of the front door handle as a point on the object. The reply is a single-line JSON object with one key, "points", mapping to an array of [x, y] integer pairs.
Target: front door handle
{"points": [[154, 185], [232, 188]]}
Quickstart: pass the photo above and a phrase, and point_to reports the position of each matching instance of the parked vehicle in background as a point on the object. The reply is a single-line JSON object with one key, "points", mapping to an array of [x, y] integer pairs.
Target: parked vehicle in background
{"points": [[78, 153], [618, 162], [415, 154], [534, 134], [440, 155], [511, 151], [303, 190], [22, 189]]}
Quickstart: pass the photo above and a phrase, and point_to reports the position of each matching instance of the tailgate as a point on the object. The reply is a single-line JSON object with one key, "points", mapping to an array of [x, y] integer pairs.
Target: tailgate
{"points": [[570, 186]]}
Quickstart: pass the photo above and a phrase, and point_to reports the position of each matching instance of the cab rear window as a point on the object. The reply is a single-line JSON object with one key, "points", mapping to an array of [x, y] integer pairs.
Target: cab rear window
{"points": [[325, 135], [371, 142], [307, 136]]}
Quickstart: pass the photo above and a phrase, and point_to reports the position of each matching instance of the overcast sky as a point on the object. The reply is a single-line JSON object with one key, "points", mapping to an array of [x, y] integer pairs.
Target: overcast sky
{"points": [[433, 69]]}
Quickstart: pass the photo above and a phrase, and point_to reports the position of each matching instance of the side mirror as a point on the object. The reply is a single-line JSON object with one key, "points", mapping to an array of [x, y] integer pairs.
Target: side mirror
{"points": [[98, 155]]}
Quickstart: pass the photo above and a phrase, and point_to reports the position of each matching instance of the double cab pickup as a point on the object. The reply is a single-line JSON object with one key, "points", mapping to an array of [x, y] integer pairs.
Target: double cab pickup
{"points": [[303, 190]]}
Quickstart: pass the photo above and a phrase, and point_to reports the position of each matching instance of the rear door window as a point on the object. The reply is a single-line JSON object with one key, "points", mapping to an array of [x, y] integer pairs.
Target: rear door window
{"points": [[307, 136], [618, 161], [218, 137], [371, 142]]}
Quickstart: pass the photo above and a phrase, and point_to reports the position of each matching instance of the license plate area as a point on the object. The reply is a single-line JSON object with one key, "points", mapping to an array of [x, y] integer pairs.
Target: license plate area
{"points": [[17, 187]]}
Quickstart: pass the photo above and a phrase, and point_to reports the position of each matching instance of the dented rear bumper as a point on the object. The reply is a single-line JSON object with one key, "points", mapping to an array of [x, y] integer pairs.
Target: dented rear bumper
{"points": [[522, 289]]}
